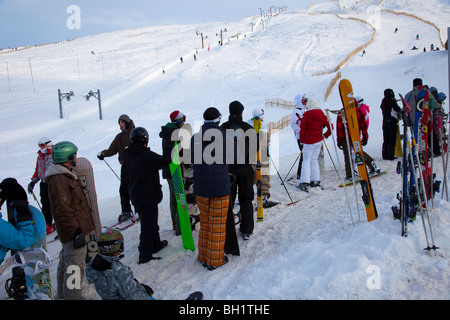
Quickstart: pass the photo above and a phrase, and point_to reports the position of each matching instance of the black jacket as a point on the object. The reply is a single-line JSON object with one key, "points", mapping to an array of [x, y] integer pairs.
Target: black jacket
{"points": [[210, 179], [167, 145], [235, 122], [142, 166], [387, 104]]}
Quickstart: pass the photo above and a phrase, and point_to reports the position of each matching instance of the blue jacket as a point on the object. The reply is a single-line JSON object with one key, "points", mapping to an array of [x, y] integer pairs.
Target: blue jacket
{"points": [[15, 238], [211, 180]]}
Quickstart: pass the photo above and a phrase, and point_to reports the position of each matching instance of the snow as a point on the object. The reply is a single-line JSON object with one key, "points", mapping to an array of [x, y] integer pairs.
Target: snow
{"points": [[308, 251]]}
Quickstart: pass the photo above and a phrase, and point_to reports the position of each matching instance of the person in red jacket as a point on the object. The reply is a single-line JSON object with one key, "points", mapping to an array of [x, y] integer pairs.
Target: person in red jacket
{"points": [[44, 159], [313, 122], [342, 144]]}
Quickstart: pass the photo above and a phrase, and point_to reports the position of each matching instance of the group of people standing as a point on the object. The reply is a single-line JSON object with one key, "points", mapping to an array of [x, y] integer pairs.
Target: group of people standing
{"points": [[217, 184], [308, 122], [392, 113], [220, 159]]}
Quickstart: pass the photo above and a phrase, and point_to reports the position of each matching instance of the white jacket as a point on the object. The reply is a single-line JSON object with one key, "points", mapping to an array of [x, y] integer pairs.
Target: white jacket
{"points": [[296, 119]]}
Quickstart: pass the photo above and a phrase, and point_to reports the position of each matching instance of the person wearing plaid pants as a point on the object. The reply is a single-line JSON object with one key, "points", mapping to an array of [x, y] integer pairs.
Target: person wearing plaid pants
{"points": [[212, 189]]}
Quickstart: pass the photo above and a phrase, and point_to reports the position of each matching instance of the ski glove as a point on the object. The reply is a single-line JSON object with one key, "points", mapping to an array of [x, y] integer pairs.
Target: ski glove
{"points": [[100, 155], [30, 187], [79, 239], [364, 141]]}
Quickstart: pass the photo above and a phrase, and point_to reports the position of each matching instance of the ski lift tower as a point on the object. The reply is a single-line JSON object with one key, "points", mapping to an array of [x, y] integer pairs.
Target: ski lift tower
{"points": [[97, 96]]}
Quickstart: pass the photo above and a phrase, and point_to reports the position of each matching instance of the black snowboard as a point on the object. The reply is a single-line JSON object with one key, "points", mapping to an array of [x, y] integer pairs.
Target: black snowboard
{"points": [[231, 241]]}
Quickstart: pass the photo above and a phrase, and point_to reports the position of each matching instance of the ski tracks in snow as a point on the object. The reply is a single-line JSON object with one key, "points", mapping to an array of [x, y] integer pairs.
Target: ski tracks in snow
{"points": [[299, 61]]}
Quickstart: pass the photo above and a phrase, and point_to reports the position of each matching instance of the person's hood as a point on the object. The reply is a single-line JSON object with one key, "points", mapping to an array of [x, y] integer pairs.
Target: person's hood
{"points": [[54, 169], [168, 128]]}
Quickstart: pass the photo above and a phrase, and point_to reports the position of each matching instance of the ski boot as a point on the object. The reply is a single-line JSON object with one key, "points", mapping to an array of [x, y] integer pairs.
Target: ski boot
{"points": [[375, 169], [267, 203], [304, 187], [314, 184], [124, 216]]}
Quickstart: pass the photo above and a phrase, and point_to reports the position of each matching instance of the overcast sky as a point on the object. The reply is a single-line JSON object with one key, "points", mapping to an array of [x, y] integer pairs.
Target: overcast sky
{"points": [[30, 22]]}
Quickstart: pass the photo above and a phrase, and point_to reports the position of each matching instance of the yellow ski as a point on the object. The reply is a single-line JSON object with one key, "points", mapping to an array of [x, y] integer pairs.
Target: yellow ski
{"points": [[348, 101]]}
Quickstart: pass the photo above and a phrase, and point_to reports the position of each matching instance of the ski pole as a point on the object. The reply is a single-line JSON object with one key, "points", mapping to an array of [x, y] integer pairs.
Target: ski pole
{"points": [[339, 165], [323, 138], [34, 196], [298, 157], [426, 214], [282, 182], [349, 151], [441, 149], [111, 169]]}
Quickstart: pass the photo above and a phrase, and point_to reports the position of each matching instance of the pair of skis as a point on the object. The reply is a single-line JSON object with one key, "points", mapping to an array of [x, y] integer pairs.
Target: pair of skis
{"points": [[420, 175]]}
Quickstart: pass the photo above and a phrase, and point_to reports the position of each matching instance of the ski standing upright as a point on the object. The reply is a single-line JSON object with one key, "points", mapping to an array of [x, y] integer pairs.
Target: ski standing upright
{"points": [[259, 200], [348, 101]]}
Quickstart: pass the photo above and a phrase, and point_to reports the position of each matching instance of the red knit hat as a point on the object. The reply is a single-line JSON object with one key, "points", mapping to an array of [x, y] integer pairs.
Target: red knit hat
{"points": [[177, 117]]}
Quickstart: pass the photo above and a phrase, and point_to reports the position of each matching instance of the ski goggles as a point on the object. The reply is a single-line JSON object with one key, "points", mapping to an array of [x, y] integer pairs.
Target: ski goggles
{"points": [[44, 145], [180, 120]]}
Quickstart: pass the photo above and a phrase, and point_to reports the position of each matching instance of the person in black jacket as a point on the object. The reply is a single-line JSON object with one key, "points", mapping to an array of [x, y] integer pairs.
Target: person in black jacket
{"points": [[212, 189], [241, 133], [390, 110], [169, 136], [142, 166]]}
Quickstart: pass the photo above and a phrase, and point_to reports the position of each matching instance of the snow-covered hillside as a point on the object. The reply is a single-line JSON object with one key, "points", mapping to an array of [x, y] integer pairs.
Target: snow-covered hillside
{"points": [[309, 250]]}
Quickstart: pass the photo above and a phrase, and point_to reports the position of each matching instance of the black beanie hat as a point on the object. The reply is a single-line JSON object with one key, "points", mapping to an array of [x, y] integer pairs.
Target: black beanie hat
{"points": [[236, 107], [417, 82], [389, 93], [211, 114]]}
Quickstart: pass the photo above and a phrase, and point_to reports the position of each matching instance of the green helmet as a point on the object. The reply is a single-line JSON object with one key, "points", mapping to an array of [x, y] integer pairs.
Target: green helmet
{"points": [[64, 151], [110, 242]]}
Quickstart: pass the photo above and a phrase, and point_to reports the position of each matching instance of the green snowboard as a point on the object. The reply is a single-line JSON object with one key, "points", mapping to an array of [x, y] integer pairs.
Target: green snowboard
{"points": [[182, 205]]}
